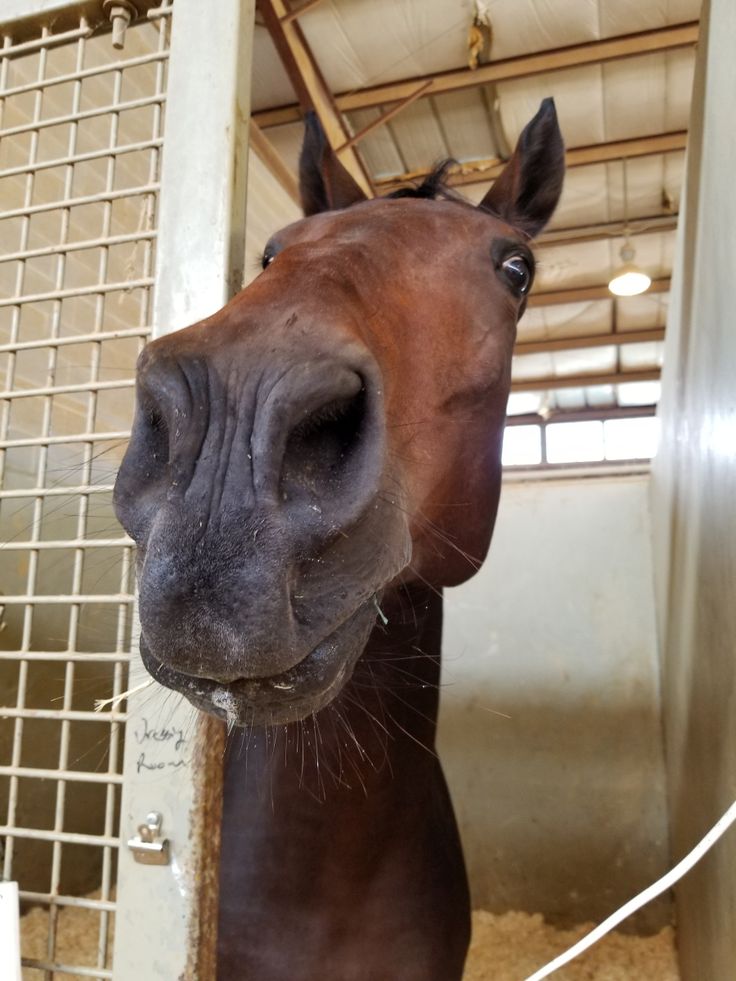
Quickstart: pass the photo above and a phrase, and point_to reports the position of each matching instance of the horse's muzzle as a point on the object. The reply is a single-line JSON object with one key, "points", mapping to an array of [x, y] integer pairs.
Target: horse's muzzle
{"points": [[267, 521]]}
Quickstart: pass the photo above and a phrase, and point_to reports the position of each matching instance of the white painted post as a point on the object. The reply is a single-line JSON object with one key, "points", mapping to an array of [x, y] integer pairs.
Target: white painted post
{"points": [[201, 227], [199, 266]]}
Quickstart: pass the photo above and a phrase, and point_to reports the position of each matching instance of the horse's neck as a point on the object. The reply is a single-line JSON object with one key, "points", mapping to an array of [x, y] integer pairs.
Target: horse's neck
{"points": [[364, 752], [394, 693], [339, 844]]}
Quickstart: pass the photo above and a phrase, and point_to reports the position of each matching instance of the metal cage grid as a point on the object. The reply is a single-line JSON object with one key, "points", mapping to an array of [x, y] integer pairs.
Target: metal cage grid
{"points": [[80, 140]]}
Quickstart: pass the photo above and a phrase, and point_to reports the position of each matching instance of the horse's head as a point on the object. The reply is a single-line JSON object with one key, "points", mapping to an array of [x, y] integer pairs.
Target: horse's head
{"points": [[333, 432]]}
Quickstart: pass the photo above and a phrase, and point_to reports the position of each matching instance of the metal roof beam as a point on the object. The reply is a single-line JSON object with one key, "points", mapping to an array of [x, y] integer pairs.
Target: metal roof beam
{"points": [[522, 66], [586, 294], [302, 9], [646, 225], [595, 413], [584, 381], [310, 86], [273, 161], [570, 343], [481, 171], [387, 116]]}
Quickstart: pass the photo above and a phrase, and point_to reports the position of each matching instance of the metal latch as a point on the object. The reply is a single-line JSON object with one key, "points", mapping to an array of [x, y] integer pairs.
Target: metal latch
{"points": [[147, 846]]}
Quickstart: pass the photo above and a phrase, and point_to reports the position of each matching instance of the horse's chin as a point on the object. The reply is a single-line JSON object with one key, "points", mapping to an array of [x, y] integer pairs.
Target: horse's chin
{"points": [[278, 699]]}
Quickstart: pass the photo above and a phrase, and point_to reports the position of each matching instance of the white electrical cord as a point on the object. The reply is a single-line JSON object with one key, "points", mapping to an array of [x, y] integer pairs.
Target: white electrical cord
{"points": [[660, 886]]}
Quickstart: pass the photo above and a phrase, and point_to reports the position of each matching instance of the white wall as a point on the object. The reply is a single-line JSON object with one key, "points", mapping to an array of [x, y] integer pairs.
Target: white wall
{"points": [[550, 722], [269, 210], [694, 494]]}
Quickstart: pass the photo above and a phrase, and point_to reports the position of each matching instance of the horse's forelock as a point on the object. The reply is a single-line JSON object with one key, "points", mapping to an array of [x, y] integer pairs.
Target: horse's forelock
{"points": [[434, 184]]}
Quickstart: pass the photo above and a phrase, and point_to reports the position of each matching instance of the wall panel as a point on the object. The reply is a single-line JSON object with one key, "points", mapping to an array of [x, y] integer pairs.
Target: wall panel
{"points": [[694, 490]]}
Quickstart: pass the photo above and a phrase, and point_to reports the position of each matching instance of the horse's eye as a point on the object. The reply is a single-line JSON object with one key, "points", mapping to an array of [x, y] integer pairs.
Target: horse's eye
{"points": [[270, 252], [517, 272]]}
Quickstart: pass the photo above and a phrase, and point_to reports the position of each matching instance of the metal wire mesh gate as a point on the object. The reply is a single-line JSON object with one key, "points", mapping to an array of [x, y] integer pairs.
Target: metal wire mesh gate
{"points": [[80, 138]]}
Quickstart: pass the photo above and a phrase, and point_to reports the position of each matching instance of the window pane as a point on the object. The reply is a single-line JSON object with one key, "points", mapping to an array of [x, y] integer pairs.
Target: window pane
{"points": [[523, 403], [522, 445], [639, 393], [574, 442], [631, 439]]}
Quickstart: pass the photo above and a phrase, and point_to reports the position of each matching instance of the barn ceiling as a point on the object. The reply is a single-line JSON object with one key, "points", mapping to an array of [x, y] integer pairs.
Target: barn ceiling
{"points": [[392, 83]]}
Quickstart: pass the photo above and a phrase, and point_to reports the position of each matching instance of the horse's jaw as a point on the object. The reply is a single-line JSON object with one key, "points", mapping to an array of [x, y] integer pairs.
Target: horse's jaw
{"points": [[279, 699]]}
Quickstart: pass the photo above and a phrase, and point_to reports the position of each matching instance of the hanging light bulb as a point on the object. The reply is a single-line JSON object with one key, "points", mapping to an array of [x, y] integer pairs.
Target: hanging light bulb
{"points": [[629, 280]]}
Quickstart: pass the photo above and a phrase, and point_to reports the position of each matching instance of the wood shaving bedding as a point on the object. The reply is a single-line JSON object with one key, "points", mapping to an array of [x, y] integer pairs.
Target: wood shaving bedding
{"points": [[504, 947], [77, 932], [511, 946]]}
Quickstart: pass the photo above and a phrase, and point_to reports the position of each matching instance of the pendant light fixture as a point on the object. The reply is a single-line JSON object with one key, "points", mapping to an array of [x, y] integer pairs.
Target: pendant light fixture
{"points": [[629, 279]]}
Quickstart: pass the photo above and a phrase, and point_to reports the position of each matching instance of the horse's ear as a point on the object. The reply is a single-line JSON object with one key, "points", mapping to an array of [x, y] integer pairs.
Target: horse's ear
{"points": [[528, 189], [324, 184]]}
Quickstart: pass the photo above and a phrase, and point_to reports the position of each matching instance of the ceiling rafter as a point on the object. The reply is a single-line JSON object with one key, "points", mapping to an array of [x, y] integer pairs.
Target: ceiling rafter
{"points": [[310, 86], [301, 9], [594, 413], [481, 171], [578, 234], [587, 294], [385, 117], [585, 380], [270, 156], [521, 66], [575, 343]]}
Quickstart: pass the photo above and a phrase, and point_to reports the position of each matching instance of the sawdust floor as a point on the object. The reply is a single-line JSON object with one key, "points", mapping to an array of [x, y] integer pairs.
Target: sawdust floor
{"points": [[508, 947], [511, 946], [77, 939]]}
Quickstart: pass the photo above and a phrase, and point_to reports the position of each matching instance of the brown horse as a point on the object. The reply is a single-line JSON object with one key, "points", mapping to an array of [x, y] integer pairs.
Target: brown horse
{"points": [[308, 468]]}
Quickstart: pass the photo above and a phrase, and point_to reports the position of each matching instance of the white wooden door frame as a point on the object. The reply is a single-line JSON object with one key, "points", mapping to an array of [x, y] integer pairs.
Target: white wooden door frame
{"points": [[165, 912]]}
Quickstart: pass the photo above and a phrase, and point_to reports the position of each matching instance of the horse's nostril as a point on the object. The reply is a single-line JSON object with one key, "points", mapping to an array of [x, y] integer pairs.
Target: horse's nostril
{"points": [[323, 449], [141, 480], [158, 435]]}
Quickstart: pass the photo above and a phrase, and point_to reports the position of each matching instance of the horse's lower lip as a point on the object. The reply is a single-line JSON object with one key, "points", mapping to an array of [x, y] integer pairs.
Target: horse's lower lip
{"points": [[279, 699]]}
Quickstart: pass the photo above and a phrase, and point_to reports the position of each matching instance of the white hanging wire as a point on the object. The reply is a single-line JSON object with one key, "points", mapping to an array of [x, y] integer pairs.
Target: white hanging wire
{"points": [[656, 889]]}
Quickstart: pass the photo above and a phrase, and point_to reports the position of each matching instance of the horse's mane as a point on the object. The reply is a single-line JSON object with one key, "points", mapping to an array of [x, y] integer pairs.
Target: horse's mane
{"points": [[434, 185]]}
